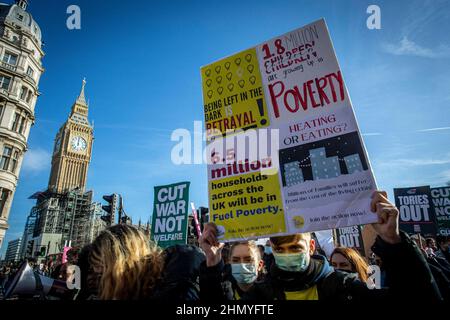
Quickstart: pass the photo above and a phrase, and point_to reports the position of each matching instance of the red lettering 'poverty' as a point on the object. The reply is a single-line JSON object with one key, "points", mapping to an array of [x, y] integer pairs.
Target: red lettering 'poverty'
{"points": [[313, 93]]}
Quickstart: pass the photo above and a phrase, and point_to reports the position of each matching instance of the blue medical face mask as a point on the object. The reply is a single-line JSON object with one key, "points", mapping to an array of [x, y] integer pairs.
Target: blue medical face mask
{"points": [[244, 273], [267, 249], [294, 262]]}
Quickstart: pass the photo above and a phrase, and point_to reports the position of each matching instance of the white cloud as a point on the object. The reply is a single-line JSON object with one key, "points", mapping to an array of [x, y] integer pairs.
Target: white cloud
{"points": [[407, 47], [416, 162], [36, 160], [434, 129], [445, 175], [130, 128], [372, 134], [422, 162]]}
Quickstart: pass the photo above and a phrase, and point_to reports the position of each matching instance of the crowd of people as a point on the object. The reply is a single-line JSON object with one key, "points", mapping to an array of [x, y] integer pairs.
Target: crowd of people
{"points": [[121, 264], [53, 268]]}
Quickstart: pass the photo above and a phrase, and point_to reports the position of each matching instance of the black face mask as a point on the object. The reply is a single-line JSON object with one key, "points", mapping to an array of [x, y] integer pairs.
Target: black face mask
{"points": [[341, 270]]}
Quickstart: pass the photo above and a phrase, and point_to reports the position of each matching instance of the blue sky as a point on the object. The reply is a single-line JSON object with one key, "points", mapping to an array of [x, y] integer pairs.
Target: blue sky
{"points": [[142, 62]]}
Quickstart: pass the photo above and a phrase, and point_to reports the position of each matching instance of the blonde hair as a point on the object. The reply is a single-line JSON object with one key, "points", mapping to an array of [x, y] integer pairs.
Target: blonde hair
{"points": [[420, 243], [130, 265], [256, 254]]}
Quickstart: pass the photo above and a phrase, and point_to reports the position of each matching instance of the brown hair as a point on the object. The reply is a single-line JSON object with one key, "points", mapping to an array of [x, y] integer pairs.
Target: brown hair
{"points": [[277, 241], [130, 266], [359, 265], [252, 246]]}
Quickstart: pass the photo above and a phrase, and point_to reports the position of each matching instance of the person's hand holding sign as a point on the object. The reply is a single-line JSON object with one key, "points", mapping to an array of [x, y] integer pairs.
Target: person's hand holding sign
{"points": [[387, 226], [210, 246]]}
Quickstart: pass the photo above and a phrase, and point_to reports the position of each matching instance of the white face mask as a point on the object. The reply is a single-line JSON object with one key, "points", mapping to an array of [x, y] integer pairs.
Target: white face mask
{"points": [[268, 250], [294, 262], [244, 273]]}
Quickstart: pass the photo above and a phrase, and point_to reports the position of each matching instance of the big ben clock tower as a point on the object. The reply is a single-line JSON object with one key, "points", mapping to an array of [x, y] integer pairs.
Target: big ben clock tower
{"points": [[73, 149]]}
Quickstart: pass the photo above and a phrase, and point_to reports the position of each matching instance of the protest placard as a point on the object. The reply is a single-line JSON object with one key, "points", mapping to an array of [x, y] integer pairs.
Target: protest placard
{"points": [[416, 210], [441, 204], [170, 214], [350, 237], [316, 176]]}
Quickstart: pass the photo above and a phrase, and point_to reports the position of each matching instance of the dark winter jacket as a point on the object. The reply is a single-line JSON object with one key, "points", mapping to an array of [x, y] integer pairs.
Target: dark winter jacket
{"points": [[443, 255], [180, 278], [442, 281], [407, 275], [268, 261]]}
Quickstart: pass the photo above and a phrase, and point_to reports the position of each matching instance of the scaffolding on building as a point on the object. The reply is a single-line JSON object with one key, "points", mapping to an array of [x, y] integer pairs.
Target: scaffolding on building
{"points": [[71, 214]]}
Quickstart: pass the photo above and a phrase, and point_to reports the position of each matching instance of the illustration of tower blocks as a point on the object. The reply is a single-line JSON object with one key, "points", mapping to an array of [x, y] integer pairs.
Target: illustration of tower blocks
{"points": [[293, 174], [323, 167], [353, 163]]}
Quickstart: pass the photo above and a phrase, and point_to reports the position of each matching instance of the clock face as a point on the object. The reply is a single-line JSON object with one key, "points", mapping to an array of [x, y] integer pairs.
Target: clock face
{"points": [[78, 143]]}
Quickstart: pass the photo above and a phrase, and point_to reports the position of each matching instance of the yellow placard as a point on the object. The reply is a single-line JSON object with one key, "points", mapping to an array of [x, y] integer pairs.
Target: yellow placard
{"points": [[233, 95], [246, 206]]}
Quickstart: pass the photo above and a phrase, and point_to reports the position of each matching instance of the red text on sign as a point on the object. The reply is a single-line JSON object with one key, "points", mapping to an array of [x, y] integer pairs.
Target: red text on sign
{"points": [[314, 93]]}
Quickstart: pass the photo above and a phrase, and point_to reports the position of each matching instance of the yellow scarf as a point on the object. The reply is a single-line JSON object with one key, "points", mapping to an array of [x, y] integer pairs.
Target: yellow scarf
{"points": [[307, 294]]}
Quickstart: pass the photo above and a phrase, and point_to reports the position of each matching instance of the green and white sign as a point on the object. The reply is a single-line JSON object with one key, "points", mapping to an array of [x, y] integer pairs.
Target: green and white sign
{"points": [[441, 203], [170, 214]]}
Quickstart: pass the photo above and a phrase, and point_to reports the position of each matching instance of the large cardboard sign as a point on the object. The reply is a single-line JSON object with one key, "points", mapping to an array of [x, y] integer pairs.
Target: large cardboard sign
{"points": [[284, 149]]}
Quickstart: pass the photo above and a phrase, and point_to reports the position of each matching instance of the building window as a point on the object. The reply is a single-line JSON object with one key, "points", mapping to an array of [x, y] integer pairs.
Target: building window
{"points": [[15, 122], [10, 58], [23, 93], [10, 159], [18, 123], [3, 198], [20, 17], [26, 94], [4, 82], [22, 125], [23, 4], [29, 96], [15, 159], [6, 158], [30, 72]]}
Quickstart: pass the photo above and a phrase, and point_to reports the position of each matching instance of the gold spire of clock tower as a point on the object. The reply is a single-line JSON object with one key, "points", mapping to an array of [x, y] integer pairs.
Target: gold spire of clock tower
{"points": [[73, 149], [80, 106], [81, 98]]}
